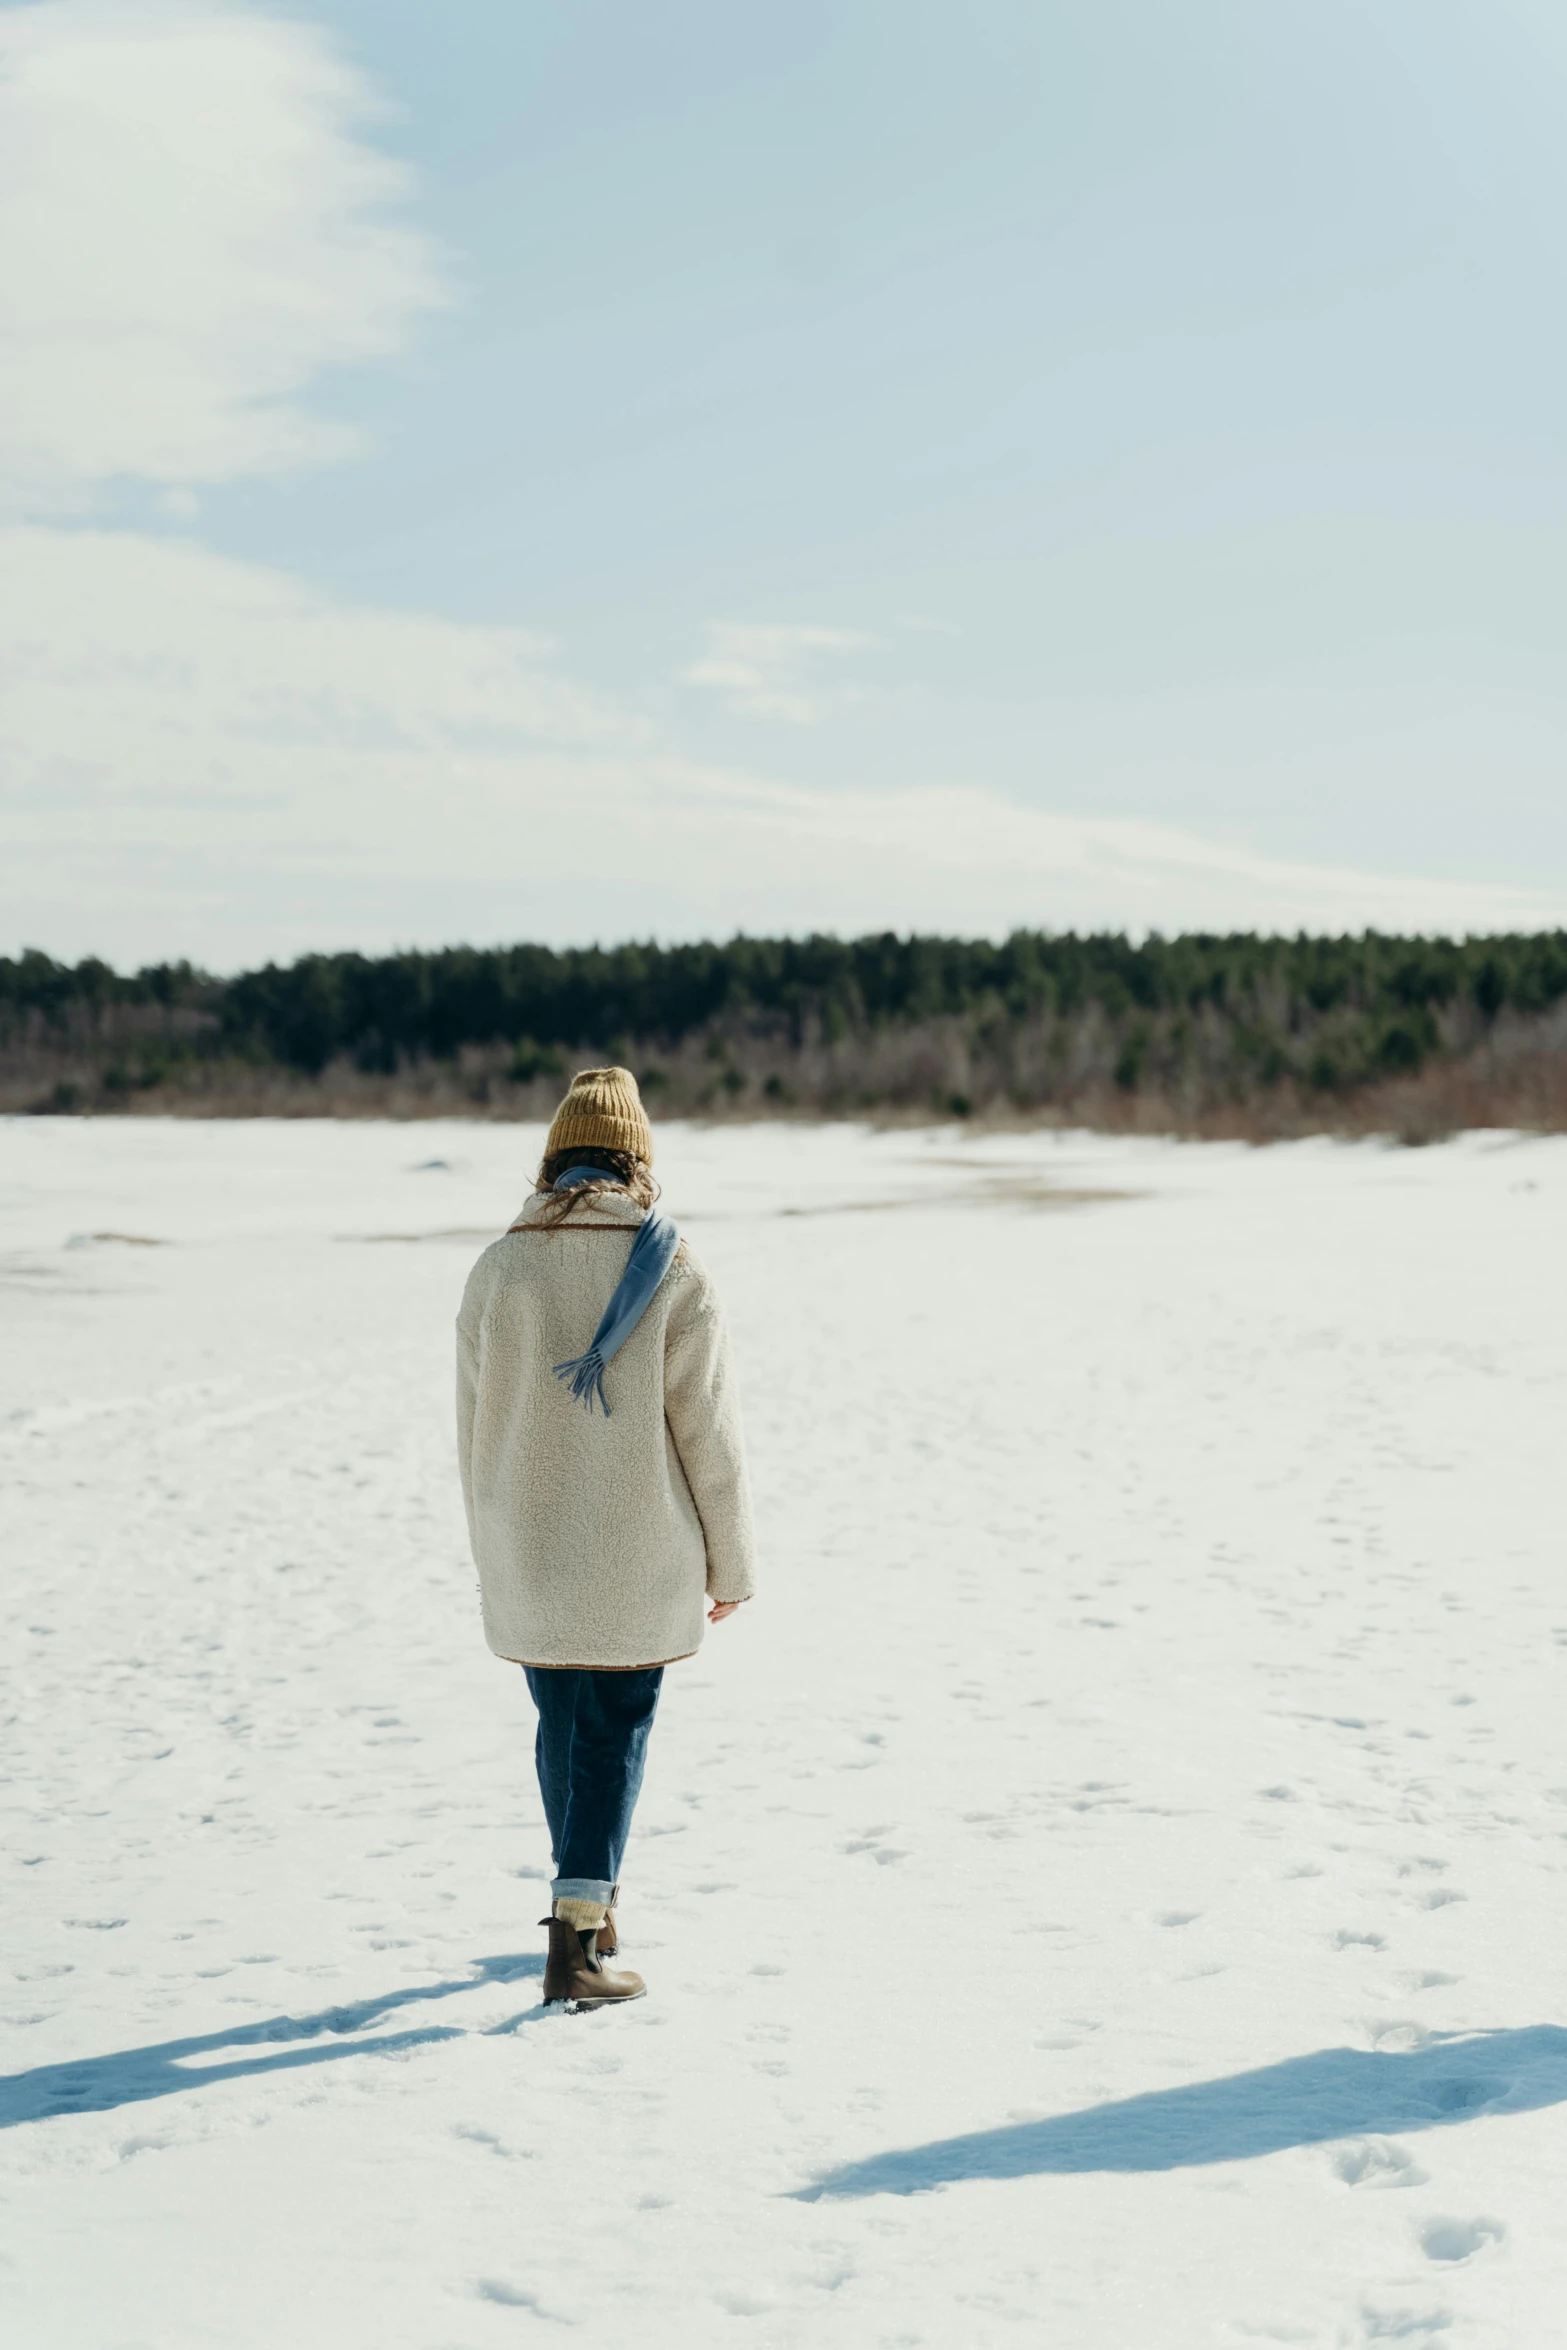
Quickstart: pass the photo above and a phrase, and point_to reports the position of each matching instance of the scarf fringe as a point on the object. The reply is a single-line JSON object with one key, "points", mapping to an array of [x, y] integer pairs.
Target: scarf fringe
{"points": [[585, 1377]]}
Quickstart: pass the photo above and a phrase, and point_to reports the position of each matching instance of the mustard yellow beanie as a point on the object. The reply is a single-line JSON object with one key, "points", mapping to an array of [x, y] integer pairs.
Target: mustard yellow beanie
{"points": [[603, 1111]]}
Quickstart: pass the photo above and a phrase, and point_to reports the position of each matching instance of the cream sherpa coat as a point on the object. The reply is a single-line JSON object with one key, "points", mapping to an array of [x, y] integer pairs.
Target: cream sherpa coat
{"points": [[595, 1539]]}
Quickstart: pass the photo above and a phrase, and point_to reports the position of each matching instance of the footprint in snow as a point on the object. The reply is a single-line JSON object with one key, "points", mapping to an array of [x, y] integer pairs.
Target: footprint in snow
{"points": [[509, 2296], [1377, 2162], [871, 1841], [1405, 2325], [1459, 2239]]}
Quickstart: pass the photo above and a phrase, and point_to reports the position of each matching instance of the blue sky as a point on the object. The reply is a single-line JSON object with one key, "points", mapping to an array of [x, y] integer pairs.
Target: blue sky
{"points": [[1135, 415]]}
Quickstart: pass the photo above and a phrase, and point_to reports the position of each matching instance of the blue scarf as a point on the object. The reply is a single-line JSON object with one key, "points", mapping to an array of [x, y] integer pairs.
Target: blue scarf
{"points": [[652, 1253]]}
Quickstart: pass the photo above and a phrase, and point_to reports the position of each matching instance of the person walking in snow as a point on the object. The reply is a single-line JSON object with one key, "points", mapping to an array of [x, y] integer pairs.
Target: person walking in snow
{"points": [[603, 1469]]}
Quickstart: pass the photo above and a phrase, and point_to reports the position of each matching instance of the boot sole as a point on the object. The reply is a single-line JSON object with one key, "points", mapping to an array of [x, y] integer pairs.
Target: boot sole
{"points": [[589, 2006]]}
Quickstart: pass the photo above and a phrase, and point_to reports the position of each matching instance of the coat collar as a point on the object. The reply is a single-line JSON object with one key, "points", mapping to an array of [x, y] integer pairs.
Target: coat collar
{"points": [[605, 1207]]}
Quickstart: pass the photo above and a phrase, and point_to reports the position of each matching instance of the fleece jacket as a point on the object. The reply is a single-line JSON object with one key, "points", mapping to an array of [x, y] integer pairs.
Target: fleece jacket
{"points": [[596, 1539]]}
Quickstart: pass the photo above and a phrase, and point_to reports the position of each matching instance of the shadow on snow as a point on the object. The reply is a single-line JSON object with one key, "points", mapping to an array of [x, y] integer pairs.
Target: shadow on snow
{"points": [[1332, 2093], [96, 2084]]}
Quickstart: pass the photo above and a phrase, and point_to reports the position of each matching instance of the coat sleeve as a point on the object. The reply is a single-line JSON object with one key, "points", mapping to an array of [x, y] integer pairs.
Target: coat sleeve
{"points": [[468, 1394], [702, 1405]]}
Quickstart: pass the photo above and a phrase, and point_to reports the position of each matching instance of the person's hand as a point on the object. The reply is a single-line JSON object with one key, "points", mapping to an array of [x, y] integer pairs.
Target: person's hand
{"points": [[721, 1608]]}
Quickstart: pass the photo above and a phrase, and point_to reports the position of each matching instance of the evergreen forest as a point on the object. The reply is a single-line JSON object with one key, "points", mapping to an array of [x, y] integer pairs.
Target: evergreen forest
{"points": [[1195, 1033]]}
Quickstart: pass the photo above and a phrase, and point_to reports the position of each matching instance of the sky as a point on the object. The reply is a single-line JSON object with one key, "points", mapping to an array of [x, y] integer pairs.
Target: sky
{"points": [[508, 471]]}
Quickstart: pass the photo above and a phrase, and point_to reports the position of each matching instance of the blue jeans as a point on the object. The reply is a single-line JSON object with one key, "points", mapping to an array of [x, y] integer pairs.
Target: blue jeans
{"points": [[590, 1752]]}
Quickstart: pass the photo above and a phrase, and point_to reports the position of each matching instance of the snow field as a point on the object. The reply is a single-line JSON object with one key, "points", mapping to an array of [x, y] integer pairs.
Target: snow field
{"points": [[1106, 1891]]}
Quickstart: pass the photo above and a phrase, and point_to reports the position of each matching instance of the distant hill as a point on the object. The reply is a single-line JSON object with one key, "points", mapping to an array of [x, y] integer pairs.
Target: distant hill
{"points": [[1197, 1034]]}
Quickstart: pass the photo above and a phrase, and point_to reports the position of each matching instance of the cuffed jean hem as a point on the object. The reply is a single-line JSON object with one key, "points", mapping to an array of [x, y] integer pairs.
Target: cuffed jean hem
{"points": [[596, 1889]]}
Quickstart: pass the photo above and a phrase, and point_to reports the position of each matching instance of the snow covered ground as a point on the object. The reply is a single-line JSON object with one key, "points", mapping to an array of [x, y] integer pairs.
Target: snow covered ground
{"points": [[1107, 1892]]}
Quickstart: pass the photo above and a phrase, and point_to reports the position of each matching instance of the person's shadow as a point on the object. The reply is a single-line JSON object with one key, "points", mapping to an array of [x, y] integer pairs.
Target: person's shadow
{"points": [[128, 2076], [1306, 2100]]}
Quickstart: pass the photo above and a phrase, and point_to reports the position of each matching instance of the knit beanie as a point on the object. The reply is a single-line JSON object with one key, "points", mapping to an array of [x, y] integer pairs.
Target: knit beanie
{"points": [[603, 1111]]}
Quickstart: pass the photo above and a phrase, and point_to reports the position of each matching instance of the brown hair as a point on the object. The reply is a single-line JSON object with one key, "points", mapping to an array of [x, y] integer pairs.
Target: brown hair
{"points": [[623, 1172]]}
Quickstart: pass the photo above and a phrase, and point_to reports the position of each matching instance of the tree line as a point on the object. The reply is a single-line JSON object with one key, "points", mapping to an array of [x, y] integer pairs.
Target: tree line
{"points": [[1031, 1020]]}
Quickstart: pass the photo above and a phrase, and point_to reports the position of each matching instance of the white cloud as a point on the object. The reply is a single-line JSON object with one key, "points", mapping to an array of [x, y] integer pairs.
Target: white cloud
{"points": [[202, 757], [190, 229], [773, 671], [199, 756]]}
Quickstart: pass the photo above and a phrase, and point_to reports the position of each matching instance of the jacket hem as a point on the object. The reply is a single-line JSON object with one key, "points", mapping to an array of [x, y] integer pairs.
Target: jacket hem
{"points": [[555, 1664]]}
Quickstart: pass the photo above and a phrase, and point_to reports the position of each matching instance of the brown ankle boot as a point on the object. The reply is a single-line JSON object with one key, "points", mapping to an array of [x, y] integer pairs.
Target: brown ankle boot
{"points": [[572, 1970]]}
